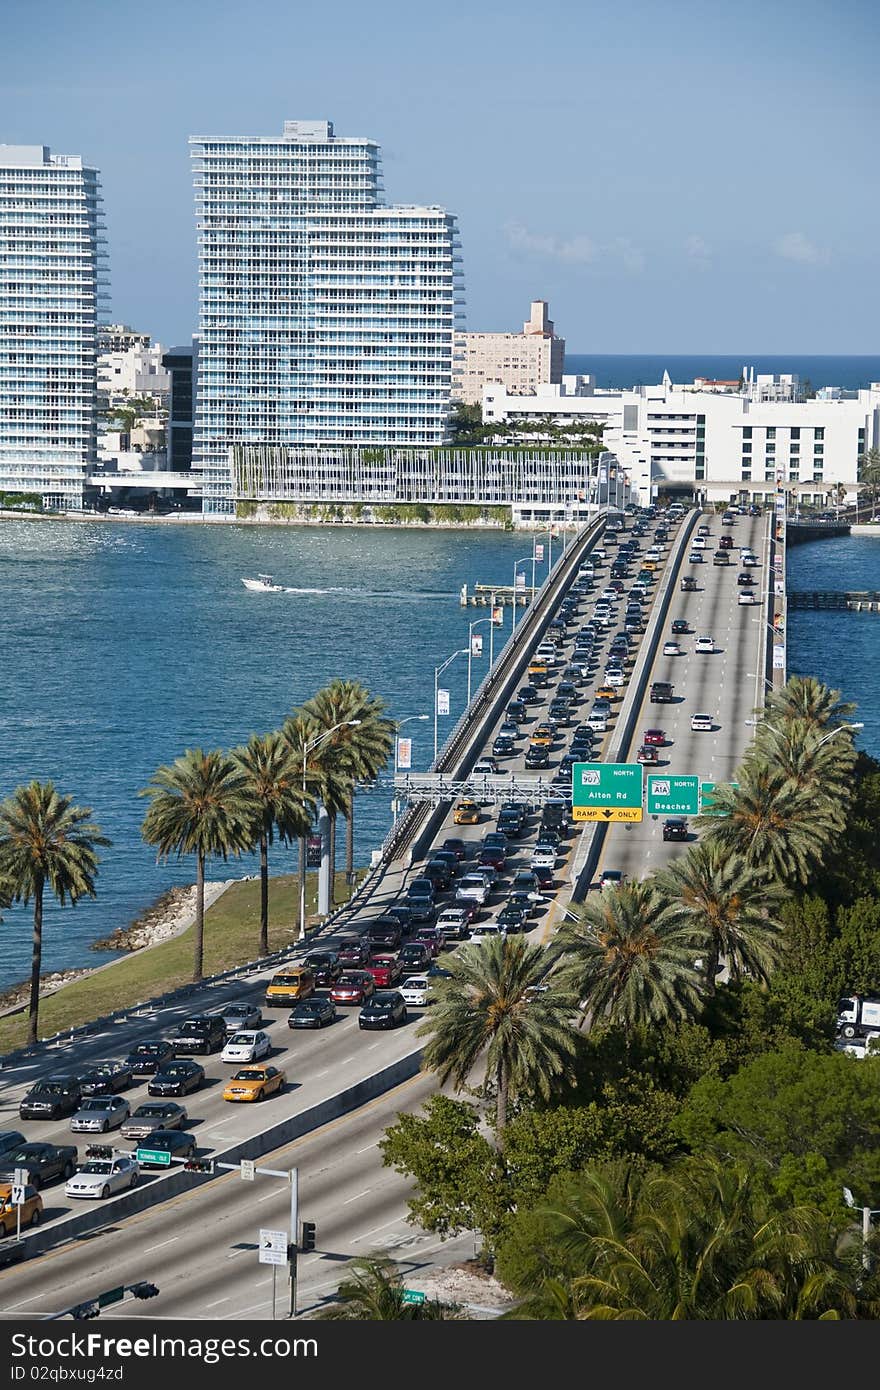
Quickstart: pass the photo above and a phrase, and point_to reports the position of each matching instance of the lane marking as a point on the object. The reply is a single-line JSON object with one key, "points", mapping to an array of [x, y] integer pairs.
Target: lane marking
{"points": [[160, 1246], [357, 1198], [219, 1300]]}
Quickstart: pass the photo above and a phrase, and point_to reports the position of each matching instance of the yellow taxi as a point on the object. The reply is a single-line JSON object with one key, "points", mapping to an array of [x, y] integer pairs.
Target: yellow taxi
{"points": [[290, 985], [31, 1209], [538, 673], [542, 737], [254, 1083], [649, 565], [607, 692], [466, 813]]}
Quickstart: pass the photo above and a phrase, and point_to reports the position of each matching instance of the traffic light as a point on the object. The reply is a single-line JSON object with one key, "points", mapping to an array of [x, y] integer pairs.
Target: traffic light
{"points": [[199, 1165], [308, 1236], [99, 1151], [85, 1310], [143, 1290]]}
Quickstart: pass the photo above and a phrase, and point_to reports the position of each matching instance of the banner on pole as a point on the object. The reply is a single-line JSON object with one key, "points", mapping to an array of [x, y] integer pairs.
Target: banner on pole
{"points": [[520, 579], [498, 617], [442, 701], [476, 644], [539, 553], [404, 754], [779, 658]]}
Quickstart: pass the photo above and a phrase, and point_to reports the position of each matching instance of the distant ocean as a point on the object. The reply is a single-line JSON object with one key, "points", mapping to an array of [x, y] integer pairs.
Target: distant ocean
{"points": [[646, 369]]}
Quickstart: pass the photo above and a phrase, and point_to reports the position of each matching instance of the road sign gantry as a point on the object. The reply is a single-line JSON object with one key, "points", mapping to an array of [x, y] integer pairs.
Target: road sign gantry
{"points": [[606, 792]]}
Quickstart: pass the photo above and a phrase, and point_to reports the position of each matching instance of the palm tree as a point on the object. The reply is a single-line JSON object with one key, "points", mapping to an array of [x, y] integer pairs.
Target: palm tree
{"points": [[729, 905], [771, 823], [805, 697], [44, 839], [375, 1293], [318, 770], [200, 804], [869, 475], [820, 763], [492, 1007], [273, 779], [627, 958]]}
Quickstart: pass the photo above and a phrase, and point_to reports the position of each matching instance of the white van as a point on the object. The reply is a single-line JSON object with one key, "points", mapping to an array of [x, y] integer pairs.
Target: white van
{"points": [[488, 931]]}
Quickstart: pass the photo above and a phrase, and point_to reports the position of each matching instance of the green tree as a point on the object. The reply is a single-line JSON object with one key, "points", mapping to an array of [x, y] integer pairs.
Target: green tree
{"points": [[626, 959], [45, 839], [728, 905], [489, 1008], [200, 804], [771, 823], [809, 699], [374, 1292], [272, 778], [319, 770]]}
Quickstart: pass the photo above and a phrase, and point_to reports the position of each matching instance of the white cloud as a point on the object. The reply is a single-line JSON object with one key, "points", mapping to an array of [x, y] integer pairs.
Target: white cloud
{"points": [[795, 246], [696, 248], [633, 257], [574, 250]]}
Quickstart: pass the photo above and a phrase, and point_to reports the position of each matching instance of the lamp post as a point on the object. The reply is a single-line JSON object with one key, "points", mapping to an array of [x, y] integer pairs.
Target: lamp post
{"points": [[306, 750], [438, 671], [470, 650], [516, 565], [395, 805]]}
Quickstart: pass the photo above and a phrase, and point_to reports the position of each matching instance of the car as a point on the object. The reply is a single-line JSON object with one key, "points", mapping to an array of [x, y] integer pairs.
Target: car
{"points": [[657, 737], [176, 1079], [688, 583], [415, 957], [240, 1015], [544, 856], [326, 965], [544, 874], [647, 755], [385, 931], [526, 881], [386, 970], [492, 856], [415, 991], [353, 951], [615, 677], [176, 1142], [671, 648], [661, 693], [522, 903], [611, 878], [503, 746], [386, 1009], [253, 1084], [289, 986], [529, 694], [41, 1162], [315, 1012], [675, 828], [745, 579], [488, 931], [512, 918], [750, 560], [725, 543], [695, 557], [754, 511], [354, 987], [97, 1114], [472, 888], [453, 923], [154, 1114], [423, 910], [27, 1213], [554, 815], [721, 557], [432, 939], [103, 1175], [511, 824], [105, 1078], [602, 704], [466, 813], [456, 845], [680, 625], [248, 1046], [727, 518], [704, 644], [704, 530], [597, 720], [704, 723], [485, 766], [200, 1033], [419, 887], [746, 597], [148, 1057], [402, 912], [537, 758], [542, 736], [51, 1099], [516, 711]]}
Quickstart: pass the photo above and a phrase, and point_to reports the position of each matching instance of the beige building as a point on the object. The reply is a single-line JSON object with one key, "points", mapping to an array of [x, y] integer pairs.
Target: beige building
{"points": [[521, 362]]}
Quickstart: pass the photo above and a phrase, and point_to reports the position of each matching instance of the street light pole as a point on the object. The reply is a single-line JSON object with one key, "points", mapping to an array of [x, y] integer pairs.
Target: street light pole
{"points": [[471, 626], [400, 723], [516, 565], [438, 671], [306, 749]]}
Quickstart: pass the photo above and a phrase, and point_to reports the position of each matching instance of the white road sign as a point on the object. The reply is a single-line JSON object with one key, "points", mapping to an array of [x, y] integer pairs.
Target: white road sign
{"points": [[248, 1168], [17, 1195], [273, 1247]]}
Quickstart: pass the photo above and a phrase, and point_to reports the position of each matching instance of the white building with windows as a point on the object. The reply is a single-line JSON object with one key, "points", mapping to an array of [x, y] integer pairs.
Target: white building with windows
{"points": [[519, 361], [134, 371], [325, 316], [51, 273], [721, 445]]}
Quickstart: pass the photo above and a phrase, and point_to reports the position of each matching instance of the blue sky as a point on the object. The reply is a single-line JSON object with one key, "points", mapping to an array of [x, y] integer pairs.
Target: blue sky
{"points": [[678, 177]]}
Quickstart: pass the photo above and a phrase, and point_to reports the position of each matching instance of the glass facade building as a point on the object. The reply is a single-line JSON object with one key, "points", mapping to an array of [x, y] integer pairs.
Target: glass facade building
{"points": [[51, 278], [325, 316]]}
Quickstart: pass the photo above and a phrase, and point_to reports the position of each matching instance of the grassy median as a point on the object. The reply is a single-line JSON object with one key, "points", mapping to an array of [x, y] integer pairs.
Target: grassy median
{"points": [[232, 930]]}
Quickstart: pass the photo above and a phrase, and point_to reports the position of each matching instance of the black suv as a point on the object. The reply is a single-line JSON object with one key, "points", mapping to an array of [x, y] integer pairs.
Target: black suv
{"points": [[203, 1033], [327, 967], [50, 1099], [149, 1057], [385, 1009], [661, 693]]}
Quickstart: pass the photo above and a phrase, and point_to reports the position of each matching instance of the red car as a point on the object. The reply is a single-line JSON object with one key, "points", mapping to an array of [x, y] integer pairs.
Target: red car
{"points": [[354, 987], [386, 971], [647, 754], [656, 736], [456, 845], [431, 938], [354, 952]]}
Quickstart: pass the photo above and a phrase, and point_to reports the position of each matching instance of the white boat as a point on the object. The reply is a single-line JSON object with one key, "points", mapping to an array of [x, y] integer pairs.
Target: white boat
{"points": [[263, 585]]}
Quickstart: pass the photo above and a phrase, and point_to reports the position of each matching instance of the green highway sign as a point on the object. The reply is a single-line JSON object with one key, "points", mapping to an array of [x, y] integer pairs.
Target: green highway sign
{"points": [[673, 796], [413, 1296], [606, 792], [707, 807], [111, 1296], [160, 1156]]}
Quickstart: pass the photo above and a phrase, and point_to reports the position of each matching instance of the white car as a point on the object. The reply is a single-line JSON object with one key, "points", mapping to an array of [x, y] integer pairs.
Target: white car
{"points": [[543, 859], [102, 1177], [654, 553], [247, 1046], [671, 649], [614, 676], [696, 557], [415, 990], [748, 559], [704, 644], [547, 653], [698, 543], [453, 921], [599, 555], [472, 888], [702, 723], [746, 598], [97, 1114], [597, 721], [488, 931]]}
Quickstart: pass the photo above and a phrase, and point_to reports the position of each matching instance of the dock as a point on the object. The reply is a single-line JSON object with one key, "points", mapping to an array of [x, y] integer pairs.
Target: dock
{"points": [[853, 602], [494, 596]]}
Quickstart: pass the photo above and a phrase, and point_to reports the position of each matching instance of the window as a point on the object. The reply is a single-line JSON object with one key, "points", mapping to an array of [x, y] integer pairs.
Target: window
{"points": [[747, 446], [795, 433], [819, 433], [747, 432], [771, 431]]}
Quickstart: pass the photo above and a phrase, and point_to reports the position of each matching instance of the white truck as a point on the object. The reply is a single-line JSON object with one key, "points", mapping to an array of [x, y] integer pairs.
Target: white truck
{"points": [[858, 1016]]}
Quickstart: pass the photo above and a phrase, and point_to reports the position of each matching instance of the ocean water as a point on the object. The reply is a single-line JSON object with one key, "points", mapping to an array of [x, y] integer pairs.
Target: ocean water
{"points": [[646, 369], [121, 645]]}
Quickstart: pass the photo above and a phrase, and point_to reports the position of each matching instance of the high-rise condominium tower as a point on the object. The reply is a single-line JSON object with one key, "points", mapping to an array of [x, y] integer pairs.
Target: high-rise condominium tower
{"points": [[325, 316], [50, 276]]}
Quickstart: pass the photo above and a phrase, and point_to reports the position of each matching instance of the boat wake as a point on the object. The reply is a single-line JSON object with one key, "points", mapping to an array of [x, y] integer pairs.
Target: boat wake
{"points": [[372, 593]]}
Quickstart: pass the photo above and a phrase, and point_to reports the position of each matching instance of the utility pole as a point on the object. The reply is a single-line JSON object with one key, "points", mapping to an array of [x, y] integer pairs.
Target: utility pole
{"points": [[293, 1250]]}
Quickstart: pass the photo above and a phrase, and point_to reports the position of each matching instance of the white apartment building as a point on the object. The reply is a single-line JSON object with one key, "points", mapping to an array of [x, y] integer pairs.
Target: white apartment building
{"points": [[133, 371], [521, 362], [51, 274], [325, 316], [720, 445]]}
